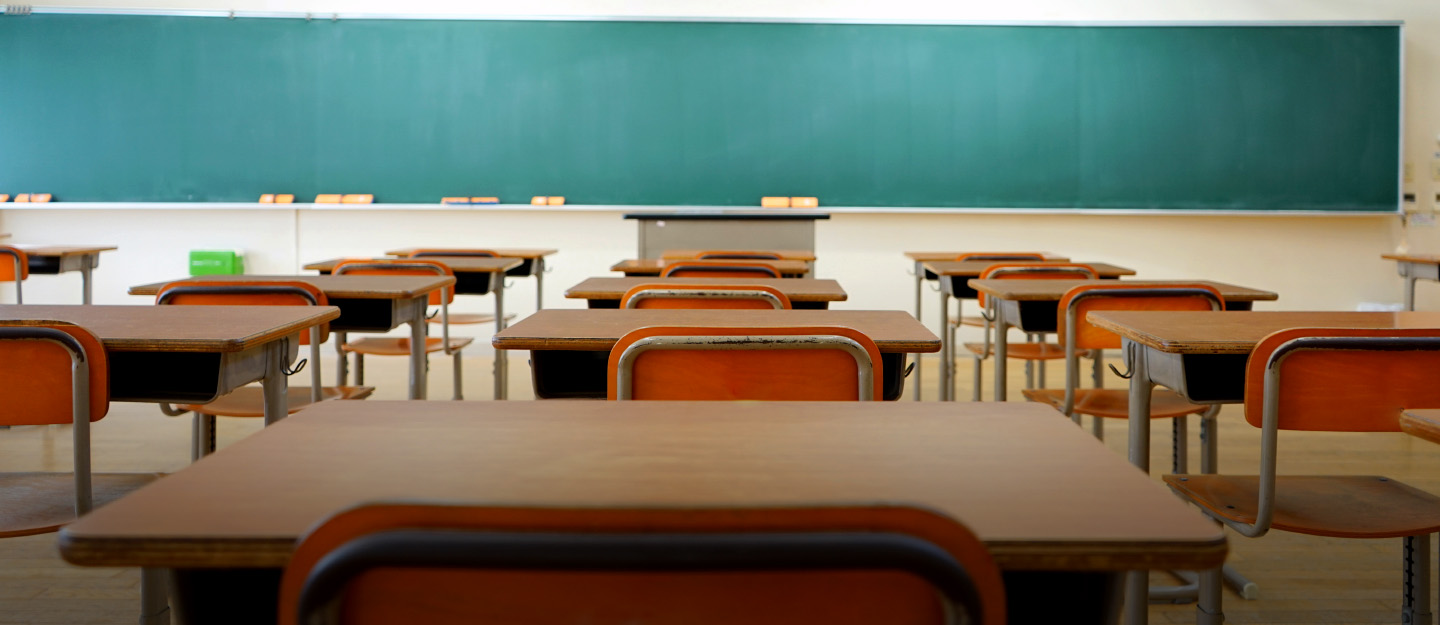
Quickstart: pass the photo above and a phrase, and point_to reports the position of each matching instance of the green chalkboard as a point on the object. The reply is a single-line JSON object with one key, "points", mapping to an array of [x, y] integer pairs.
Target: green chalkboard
{"points": [[163, 108]]}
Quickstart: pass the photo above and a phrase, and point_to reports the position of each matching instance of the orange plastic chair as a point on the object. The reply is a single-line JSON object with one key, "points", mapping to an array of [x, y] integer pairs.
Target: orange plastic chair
{"points": [[718, 268], [57, 373], [1030, 352], [806, 363], [401, 346], [14, 267], [461, 318], [249, 401], [1076, 334], [1330, 380], [449, 564], [737, 255], [713, 296]]}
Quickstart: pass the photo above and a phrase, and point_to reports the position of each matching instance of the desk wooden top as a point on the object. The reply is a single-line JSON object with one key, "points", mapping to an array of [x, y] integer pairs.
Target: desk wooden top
{"points": [[599, 329], [180, 328], [504, 252], [1042, 494], [1053, 290], [797, 289], [1237, 332], [1422, 424], [653, 266], [61, 251], [346, 287], [1433, 259], [783, 254], [951, 256], [973, 268], [458, 264]]}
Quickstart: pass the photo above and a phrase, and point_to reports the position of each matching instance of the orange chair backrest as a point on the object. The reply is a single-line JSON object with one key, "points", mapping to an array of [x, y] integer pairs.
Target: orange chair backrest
{"points": [[1037, 271], [1090, 337], [616, 596], [1344, 390], [716, 268], [35, 375], [745, 374], [757, 302], [423, 253], [8, 256], [1001, 256], [400, 267], [246, 293], [738, 255]]}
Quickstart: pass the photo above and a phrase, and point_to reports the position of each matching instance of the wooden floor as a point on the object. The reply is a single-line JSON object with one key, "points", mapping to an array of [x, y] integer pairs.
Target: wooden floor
{"points": [[1302, 579]]}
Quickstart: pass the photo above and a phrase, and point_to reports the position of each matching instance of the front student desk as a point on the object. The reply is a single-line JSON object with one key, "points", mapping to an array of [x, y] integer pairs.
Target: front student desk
{"points": [[1062, 515], [366, 303], [721, 229], [804, 293], [570, 349], [190, 354], [57, 259], [532, 262]]}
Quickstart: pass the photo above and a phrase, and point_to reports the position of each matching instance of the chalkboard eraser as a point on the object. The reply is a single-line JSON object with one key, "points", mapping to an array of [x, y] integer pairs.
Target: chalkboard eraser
{"points": [[484, 200], [357, 198], [23, 197], [539, 200], [804, 202], [267, 198], [4, 197], [39, 197], [454, 200], [555, 200], [285, 198], [327, 198], [775, 202]]}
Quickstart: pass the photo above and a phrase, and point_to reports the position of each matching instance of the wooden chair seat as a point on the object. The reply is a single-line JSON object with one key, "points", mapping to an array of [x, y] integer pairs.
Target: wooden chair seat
{"points": [[38, 503], [401, 346], [469, 318], [1114, 403], [1023, 351], [1344, 506], [249, 401]]}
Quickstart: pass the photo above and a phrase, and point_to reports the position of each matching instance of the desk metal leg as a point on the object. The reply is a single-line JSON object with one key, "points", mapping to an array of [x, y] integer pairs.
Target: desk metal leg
{"points": [[1002, 351], [86, 267], [1137, 583], [539, 283], [418, 365], [947, 351], [315, 383], [502, 362], [1415, 601], [1410, 292], [342, 361], [919, 358], [154, 597], [274, 384]]}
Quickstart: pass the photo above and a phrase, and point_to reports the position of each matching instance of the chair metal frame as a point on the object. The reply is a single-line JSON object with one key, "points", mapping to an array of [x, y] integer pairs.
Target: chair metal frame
{"points": [[22, 269], [865, 367], [711, 294], [445, 297], [737, 255]]}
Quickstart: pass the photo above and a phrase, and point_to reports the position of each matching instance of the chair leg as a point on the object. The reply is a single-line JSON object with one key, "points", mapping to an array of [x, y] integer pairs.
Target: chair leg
{"points": [[202, 439], [1209, 610], [154, 597], [459, 393], [975, 391], [1097, 426], [359, 369], [954, 330], [1415, 599], [342, 368], [1180, 444]]}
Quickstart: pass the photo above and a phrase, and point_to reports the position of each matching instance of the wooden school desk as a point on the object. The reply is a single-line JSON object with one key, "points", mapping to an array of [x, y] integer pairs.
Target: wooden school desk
{"points": [[367, 304], [56, 259], [804, 293], [653, 267], [922, 274], [1032, 306], [1413, 267], [532, 263], [1062, 515], [570, 349], [474, 275], [1202, 356], [191, 354]]}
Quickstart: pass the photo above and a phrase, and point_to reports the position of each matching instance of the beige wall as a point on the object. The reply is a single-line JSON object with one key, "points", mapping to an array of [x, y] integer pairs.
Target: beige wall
{"points": [[1314, 262]]}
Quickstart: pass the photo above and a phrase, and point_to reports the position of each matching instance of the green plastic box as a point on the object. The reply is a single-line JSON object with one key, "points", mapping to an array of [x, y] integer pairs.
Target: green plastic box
{"points": [[216, 262]]}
